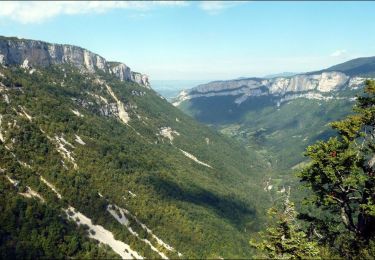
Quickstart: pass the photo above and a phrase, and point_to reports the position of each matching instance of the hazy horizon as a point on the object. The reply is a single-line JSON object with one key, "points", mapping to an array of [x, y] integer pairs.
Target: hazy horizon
{"points": [[181, 40]]}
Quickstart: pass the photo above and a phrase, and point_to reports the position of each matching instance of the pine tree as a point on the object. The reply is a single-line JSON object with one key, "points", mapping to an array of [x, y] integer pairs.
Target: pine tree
{"points": [[284, 239], [341, 176]]}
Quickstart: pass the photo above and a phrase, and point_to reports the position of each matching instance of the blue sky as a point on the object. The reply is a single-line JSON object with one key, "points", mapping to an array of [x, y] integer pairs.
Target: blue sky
{"points": [[203, 40]]}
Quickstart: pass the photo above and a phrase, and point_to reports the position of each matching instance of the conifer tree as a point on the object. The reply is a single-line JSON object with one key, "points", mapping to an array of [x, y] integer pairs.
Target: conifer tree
{"points": [[284, 239], [341, 176]]}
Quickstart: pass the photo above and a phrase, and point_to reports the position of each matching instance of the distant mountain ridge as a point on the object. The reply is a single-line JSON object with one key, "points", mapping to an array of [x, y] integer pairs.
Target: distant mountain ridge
{"points": [[314, 86], [32, 53], [363, 67], [311, 84], [282, 74], [278, 117]]}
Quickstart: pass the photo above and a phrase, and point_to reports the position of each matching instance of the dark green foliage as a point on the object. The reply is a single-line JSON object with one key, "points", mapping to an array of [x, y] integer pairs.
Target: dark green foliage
{"points": [[341, 176], [32, 230], [200, 211], [277, 136], [284, 239], [363, 67]]}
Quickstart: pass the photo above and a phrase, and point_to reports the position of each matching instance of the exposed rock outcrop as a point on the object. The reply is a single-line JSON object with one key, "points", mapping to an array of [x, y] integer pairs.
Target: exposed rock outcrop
{"points": [[30, 53], [308, 85]]}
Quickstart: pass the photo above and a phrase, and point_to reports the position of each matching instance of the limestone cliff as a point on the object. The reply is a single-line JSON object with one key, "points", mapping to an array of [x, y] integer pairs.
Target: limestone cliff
{"points": [[310, 85], [30, 53]]}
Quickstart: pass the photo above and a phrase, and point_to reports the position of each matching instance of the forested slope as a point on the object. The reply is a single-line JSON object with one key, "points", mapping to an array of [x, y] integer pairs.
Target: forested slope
{"points": [[123, 157]]}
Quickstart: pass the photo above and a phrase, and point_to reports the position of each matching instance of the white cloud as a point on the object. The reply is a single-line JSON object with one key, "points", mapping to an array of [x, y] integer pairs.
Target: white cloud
{"points": [[171, 3], [39, 11], [338, 53], [216, 7]]}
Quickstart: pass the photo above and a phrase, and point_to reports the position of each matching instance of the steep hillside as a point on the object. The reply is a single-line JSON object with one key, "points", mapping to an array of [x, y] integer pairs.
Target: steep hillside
{"points": [[364, 67], [112, 156], [277, 117]]}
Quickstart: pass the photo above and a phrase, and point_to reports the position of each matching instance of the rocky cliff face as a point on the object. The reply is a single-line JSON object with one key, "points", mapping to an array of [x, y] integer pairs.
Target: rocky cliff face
{"points": [[30, 53], [309, 85]]}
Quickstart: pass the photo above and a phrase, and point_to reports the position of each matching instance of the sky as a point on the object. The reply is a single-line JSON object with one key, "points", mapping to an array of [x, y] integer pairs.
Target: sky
{"points": [[178, 40]]}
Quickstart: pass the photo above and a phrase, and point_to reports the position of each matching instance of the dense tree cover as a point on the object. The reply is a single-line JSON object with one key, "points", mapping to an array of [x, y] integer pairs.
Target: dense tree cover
{"points": [[339, 209], [362, 67], [32, 230], [341, 176], [276, 136], [285, 239], [200, 211]]}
